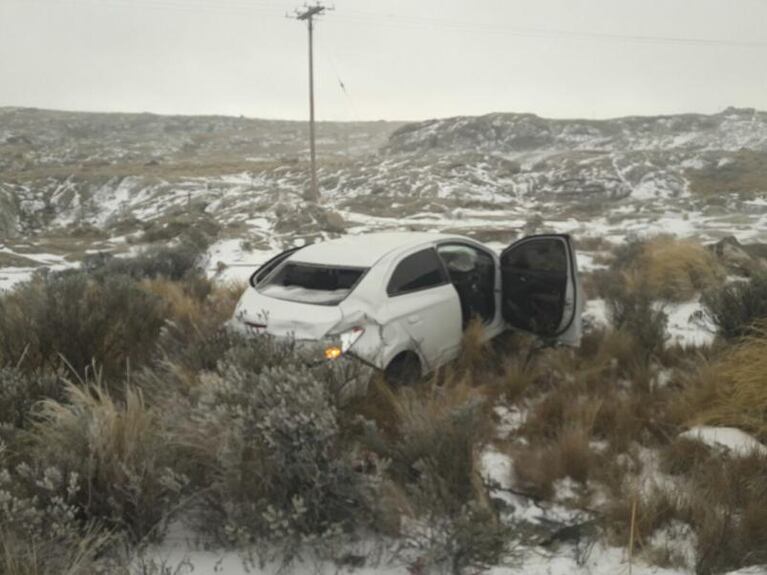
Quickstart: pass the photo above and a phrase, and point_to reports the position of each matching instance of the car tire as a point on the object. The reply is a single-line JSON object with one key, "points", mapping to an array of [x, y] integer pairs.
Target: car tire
{"points": [[405, 369]]}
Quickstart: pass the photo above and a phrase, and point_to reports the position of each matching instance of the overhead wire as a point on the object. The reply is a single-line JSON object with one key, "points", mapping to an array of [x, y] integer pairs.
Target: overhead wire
{"points": [[414, 22]]}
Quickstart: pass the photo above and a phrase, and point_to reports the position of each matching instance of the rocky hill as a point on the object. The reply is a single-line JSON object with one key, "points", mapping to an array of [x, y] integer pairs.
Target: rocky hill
{"points": [[730, 130], [73, 182]]}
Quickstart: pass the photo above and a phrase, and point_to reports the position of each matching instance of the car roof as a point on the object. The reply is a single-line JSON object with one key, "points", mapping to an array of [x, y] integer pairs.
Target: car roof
{"points": [[364, 250]]}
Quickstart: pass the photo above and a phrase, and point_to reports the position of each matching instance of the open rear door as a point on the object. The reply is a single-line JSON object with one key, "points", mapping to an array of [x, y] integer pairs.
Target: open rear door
{"points": [[540, 289]]}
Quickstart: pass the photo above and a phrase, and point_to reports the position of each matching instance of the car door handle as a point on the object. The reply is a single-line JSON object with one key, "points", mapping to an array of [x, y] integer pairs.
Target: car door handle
{"points": [[414, 319]]}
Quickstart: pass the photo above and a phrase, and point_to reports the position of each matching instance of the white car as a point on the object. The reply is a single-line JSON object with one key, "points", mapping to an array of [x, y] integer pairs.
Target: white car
{"points": [[400, 301]]}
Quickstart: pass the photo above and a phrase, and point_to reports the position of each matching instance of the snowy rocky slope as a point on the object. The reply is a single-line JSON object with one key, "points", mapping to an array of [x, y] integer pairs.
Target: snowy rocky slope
{"points": [[73, 182]]}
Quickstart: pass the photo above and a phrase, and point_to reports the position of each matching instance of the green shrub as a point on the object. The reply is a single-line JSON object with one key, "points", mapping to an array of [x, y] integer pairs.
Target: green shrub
{"points": [[20, 392], [264, 433], [632, 310], [172, 262], [70, 319], [472, 541], [41, 532], [736, 307]]}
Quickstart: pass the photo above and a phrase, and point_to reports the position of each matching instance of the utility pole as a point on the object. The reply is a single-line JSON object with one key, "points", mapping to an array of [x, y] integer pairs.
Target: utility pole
{"points": [[308, 13]]}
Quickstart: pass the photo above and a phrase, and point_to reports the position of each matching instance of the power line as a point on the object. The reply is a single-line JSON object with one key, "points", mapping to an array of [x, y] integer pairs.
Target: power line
{"points": [[422, 23]]}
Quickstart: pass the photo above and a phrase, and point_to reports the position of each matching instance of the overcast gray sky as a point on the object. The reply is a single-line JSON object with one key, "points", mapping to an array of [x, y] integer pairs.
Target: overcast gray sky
{"points": [[398, 59]]}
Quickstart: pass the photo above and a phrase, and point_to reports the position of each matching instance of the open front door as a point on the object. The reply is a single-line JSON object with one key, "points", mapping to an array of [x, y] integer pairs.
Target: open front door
{"points": [[540, 289]]}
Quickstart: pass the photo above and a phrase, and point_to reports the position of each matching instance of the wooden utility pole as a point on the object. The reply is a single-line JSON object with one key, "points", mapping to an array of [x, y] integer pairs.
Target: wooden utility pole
{"points": [[308, 13]]}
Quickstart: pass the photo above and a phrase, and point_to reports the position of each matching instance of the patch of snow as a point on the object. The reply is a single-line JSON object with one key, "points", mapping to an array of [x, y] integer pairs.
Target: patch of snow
{"points": [[586, 263], [688, 325], [595, 313], [679, 539], [510, 419], [598, 560], [496, 468], [10, 277], [733, 440]]}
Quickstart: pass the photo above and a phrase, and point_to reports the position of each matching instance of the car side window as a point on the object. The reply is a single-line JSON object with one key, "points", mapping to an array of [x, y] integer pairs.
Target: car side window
{"points": [[417, 271]]}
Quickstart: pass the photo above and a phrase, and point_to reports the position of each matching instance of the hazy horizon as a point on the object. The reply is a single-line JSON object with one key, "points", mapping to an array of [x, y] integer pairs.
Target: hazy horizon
{"points": [[388, 120]]}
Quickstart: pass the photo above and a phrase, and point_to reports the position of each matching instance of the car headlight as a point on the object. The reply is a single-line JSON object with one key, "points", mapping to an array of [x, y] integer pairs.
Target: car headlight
{"points": [[343, 342]]}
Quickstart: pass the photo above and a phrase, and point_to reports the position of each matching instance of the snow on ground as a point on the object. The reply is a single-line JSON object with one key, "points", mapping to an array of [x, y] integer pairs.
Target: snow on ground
{"points": [[567, 560], [586, 263], [11, 276], [595, 314], [228, 261], [688, 325], [730, 439], [598, 560]]}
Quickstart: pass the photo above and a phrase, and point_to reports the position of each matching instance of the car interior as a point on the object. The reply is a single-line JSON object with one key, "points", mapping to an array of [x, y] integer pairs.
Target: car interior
{"points": [[472, 272]]}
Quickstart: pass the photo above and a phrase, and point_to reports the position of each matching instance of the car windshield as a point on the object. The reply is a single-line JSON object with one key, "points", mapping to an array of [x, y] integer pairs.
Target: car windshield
{"points": [[311, 283]]}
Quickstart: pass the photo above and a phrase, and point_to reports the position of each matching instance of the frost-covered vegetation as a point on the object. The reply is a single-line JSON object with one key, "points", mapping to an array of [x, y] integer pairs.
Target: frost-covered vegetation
{"points": [[126, 408]]}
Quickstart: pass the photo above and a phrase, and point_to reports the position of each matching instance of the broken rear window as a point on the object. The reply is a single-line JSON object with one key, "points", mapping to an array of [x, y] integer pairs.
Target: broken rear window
{"points": [[308, 283]]}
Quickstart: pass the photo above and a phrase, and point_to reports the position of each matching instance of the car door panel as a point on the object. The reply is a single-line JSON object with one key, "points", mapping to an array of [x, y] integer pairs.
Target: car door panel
{"points": [[429, 321], [540, 291]]}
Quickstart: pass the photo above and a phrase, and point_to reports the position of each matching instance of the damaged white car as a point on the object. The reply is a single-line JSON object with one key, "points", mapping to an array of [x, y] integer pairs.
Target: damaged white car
{"points": [[400, 301]]}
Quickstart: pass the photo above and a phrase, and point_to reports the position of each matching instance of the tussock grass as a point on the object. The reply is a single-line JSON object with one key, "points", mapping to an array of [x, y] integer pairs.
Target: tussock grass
{"points": [[676, 270], [437, 434], [733, 390], [119, 449], [569, 454], [663, 267]]}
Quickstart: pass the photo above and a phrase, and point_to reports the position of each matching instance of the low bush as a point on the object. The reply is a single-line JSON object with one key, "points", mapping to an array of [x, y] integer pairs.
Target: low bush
{"points": [[173, 262], [41, 532], [71, 320], [735, 308], [472, 541], [272, 469], [21, 391], [633, 312]]}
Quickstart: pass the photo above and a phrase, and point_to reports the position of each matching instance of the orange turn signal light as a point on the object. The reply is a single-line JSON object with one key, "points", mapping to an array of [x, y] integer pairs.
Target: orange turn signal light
{"points": [[333, 352]]}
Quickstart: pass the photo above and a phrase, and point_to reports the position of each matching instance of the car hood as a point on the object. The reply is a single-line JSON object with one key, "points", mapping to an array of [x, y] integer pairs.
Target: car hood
{"points": [[287, 318]]}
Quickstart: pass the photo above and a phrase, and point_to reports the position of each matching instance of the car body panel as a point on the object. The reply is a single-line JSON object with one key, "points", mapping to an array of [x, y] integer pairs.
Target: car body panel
{"points": [[286, 318], [427, 322]]}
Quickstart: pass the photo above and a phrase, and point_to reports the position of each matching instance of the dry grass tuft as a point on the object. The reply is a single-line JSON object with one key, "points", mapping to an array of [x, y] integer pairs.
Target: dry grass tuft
{"points": [[182, 305], [117, 448], [732, 391], [536, 468], [675, 270], [476, 351], [432, 438]]}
